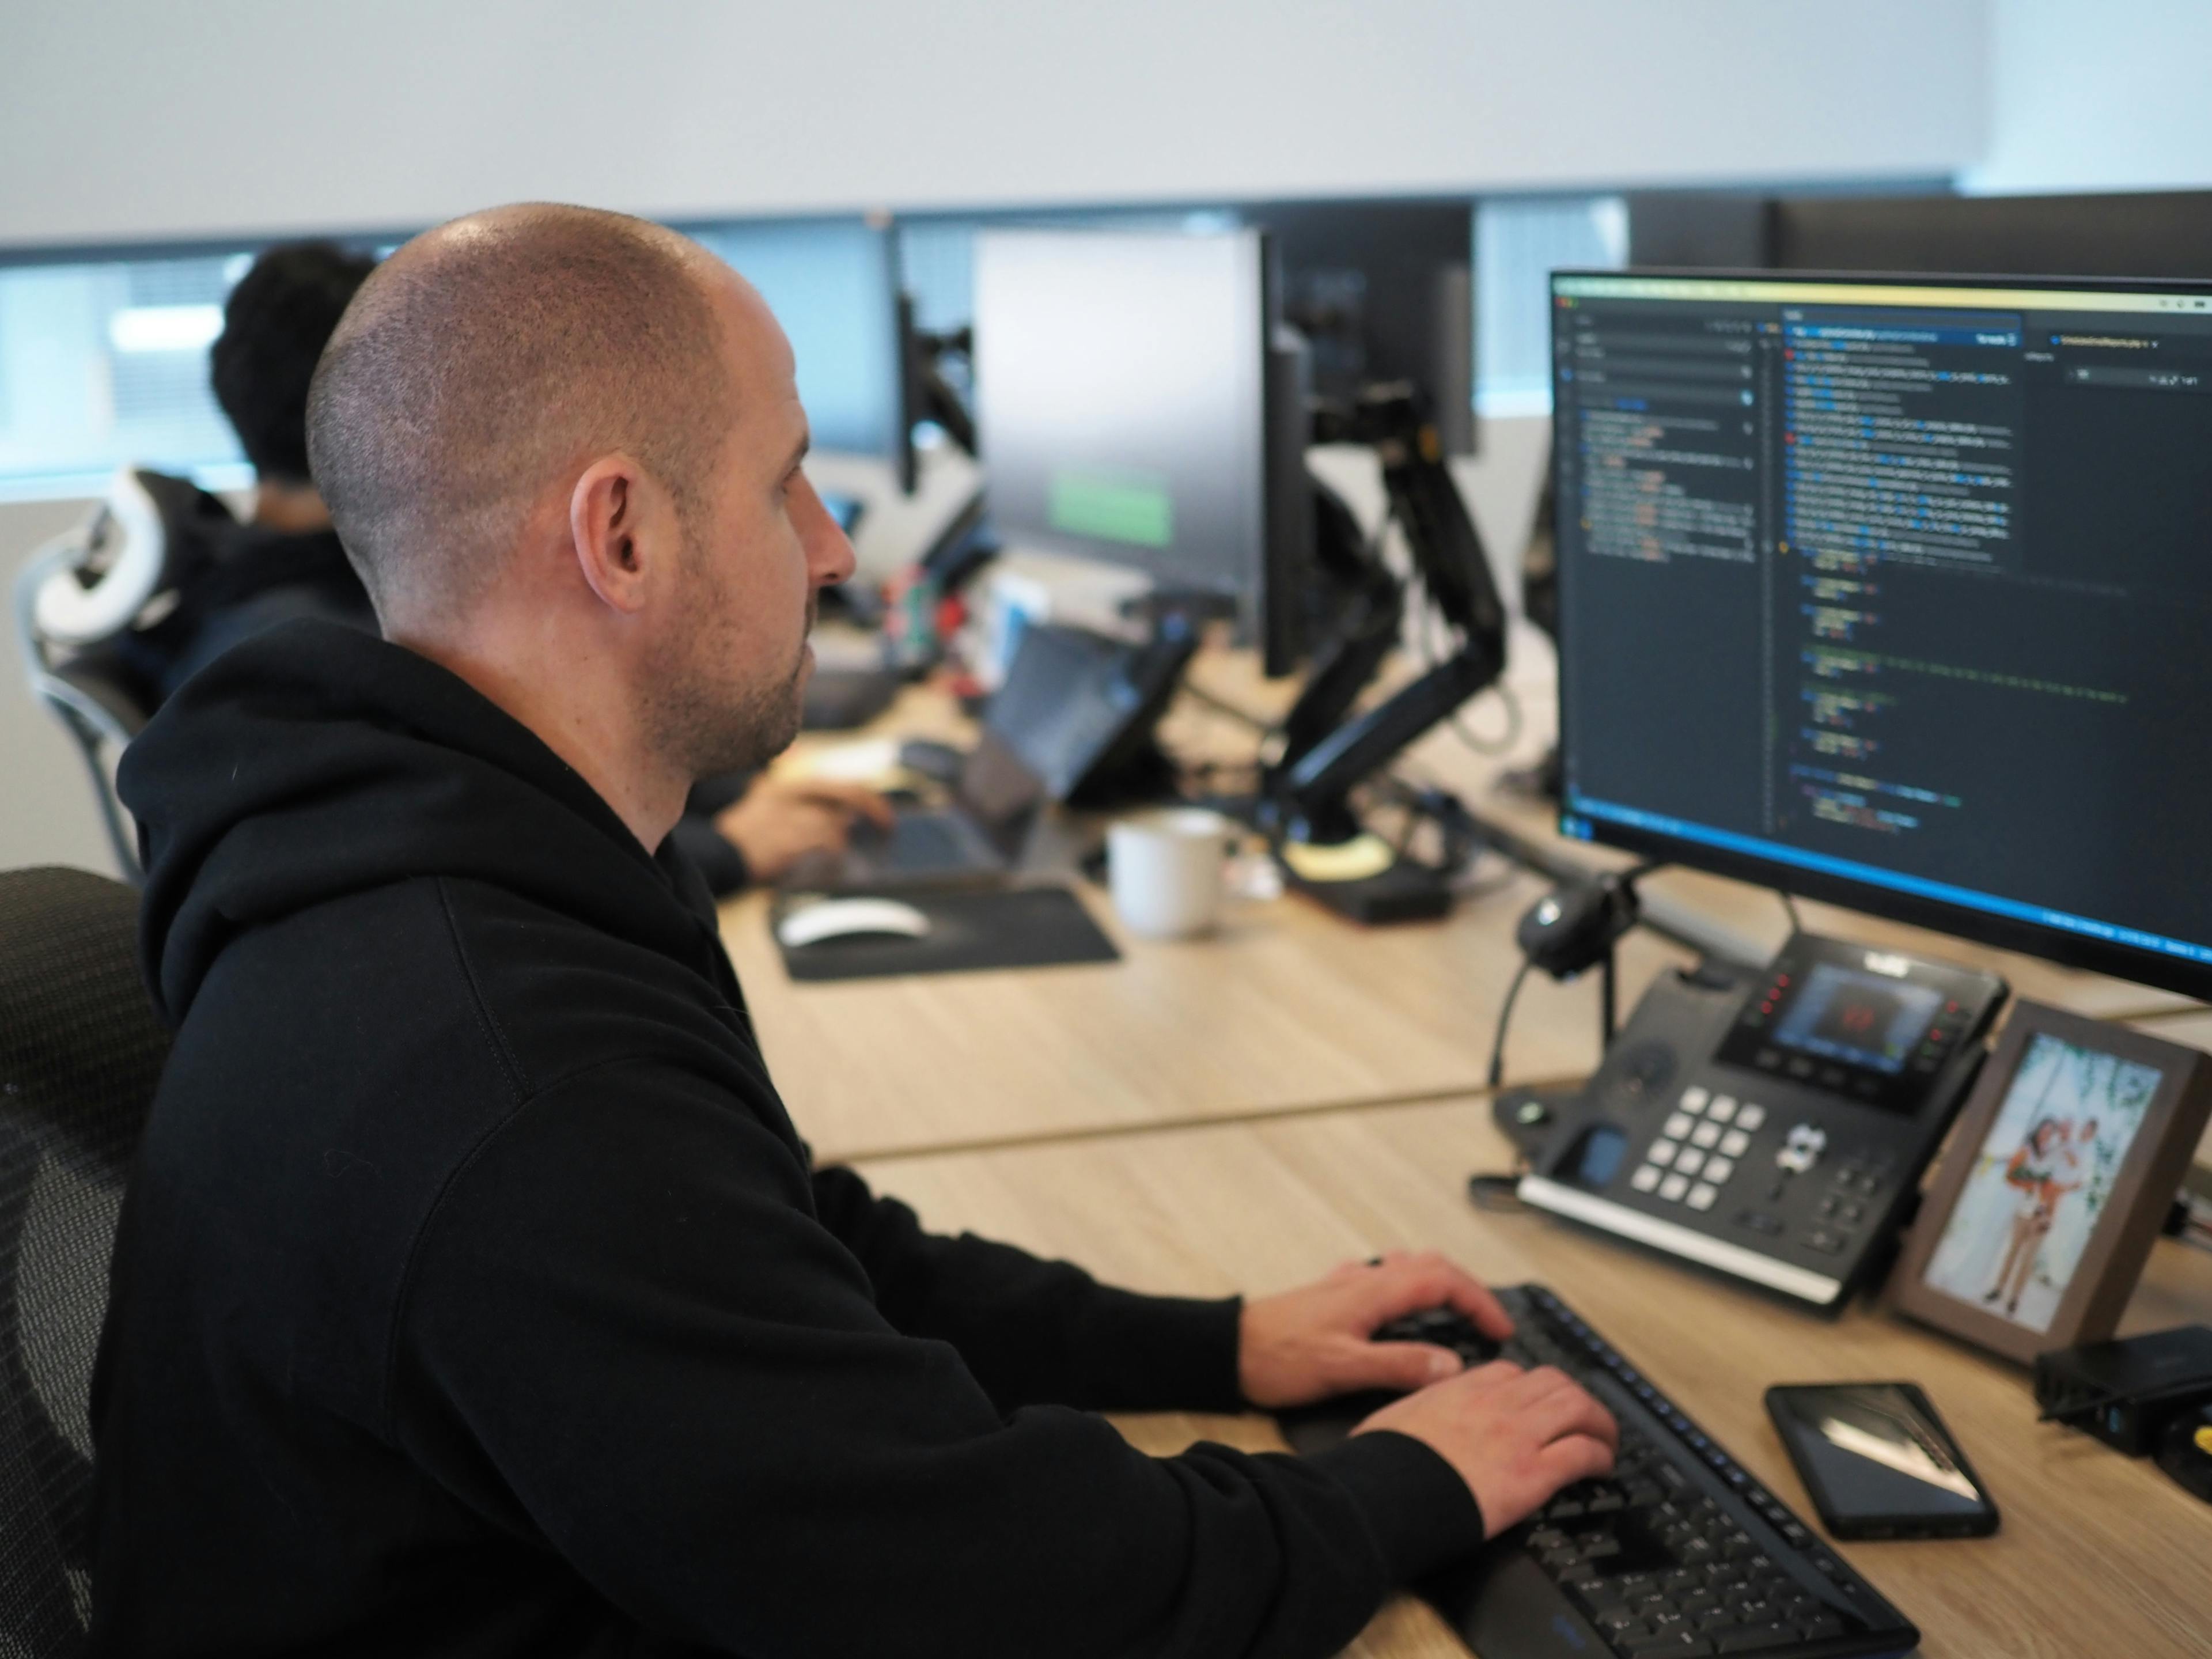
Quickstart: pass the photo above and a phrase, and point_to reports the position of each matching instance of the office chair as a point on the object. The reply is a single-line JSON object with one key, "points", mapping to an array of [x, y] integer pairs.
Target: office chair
{"points": [[81, 1050], [80, 591]]}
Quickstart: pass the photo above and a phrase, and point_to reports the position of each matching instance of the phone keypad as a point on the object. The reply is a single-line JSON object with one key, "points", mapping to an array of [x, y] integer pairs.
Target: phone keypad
{"points": [[1699, 1148]]}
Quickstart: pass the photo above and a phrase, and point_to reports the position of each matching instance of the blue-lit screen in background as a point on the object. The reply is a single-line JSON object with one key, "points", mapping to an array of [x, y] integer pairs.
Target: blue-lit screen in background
{"points": [[104, 362], [829, 283]]}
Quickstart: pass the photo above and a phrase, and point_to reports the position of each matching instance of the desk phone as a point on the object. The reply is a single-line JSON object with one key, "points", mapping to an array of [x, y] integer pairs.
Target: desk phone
{"points": [[1774, 1128]]}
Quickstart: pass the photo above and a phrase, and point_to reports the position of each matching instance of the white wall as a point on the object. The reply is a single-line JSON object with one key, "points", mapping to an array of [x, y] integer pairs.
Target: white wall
{"points": [[147, 119], [2110, 95]]}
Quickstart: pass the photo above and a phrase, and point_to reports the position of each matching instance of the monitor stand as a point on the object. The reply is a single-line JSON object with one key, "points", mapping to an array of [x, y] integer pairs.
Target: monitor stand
{"points": [[1404, 890]]}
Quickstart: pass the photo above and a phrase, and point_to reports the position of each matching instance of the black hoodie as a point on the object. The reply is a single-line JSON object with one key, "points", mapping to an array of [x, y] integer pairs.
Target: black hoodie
{"points": [[475, 1296]]}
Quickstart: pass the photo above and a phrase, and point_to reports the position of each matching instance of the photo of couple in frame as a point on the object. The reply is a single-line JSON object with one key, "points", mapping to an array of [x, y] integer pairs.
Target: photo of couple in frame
{"points": [[2065, 1160]]}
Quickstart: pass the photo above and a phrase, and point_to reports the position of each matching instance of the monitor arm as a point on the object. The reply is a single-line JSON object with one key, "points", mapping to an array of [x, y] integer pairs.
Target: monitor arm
{"points": [[1326, 751], [924, 392], [1365, 632]]}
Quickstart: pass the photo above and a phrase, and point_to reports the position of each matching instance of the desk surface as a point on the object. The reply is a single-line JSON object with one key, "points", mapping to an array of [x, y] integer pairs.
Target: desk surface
{"points": [[2097, 1555], [1285, 1010]]}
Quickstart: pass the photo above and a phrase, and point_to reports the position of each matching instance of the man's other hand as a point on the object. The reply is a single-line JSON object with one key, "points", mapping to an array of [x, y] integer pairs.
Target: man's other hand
{"points": [[1308, 1344], [1514, 1436], [774, 824]]}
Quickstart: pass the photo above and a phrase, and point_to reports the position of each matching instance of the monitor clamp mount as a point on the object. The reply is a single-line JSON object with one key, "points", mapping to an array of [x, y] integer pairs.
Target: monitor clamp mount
{"points": [[1325, 749]]}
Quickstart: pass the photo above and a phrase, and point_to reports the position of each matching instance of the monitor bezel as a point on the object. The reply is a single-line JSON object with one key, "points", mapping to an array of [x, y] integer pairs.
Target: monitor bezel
{"points": [[2134, 964]]}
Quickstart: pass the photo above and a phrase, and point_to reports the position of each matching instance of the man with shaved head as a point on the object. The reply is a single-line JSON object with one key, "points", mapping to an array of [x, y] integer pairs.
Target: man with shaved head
{"points": [[475, 1294]]}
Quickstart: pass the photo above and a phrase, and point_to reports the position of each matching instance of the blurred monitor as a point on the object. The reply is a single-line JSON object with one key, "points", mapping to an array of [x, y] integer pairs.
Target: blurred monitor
{"points": [[832, 285], [2165, 233], [2160, 234], [1383, 291], [1692, 230], [1136, 408]]}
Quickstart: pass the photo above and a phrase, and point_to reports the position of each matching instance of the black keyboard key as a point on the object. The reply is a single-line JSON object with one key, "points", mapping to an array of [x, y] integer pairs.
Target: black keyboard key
{"points": [[1822, 1625], [1668, 1643]]}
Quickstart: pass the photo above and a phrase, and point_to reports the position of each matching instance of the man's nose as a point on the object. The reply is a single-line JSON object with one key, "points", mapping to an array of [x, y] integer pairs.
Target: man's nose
{"points": [[828, 550], [834, 561]]}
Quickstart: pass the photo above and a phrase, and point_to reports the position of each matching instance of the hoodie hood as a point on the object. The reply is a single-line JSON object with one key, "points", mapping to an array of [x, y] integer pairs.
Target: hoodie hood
{"points": [[315, 761]]}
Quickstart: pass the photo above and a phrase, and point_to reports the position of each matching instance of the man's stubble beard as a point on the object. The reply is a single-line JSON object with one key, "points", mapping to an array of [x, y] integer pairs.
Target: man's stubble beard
{"points": [[710, 722]]}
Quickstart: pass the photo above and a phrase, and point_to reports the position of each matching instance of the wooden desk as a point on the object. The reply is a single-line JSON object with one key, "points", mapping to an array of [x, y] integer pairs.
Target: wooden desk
{"points": [[2098, 1554], [1287, 1009]]}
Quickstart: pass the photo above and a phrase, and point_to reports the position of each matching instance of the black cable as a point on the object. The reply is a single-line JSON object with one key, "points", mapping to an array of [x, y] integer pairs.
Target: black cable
{"points": [[1796, 922], [1505, 1017]]}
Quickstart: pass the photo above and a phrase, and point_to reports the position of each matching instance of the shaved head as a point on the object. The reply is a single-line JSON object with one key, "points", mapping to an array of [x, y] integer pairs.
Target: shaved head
{"points": [[486, 360]]}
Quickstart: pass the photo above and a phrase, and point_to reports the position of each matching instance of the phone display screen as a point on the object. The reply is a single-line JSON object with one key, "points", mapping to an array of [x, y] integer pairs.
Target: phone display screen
{"points": [[1873, 1452], [1858, 1018]]}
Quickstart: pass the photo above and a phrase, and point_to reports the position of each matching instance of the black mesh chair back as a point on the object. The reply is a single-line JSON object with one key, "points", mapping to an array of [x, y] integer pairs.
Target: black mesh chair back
{"points": [[81, 1050]]}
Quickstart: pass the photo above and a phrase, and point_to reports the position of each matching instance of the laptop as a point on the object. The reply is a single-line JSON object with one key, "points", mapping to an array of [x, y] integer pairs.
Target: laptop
{"points": [[974, 840], [1076, 713]]}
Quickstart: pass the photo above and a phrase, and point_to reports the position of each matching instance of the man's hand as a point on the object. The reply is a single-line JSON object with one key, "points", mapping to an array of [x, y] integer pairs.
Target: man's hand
{"points": [[1307, 1344], [1514, 1436], [774, 824]]}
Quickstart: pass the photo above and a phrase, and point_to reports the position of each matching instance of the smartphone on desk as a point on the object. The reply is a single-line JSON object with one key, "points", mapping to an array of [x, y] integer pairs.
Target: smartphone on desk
{"points": [[1878, 1463]]}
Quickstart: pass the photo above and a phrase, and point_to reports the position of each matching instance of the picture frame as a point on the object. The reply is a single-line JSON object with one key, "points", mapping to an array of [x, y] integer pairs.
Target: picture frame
{"points": [[2054, 1184]]}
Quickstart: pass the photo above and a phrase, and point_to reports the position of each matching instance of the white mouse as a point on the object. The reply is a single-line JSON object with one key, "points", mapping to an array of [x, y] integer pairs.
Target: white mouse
{"points": [[847, 918]]}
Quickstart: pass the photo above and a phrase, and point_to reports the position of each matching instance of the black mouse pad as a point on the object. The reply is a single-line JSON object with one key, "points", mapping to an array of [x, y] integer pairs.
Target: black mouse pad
{"points": [[1004, 927]]}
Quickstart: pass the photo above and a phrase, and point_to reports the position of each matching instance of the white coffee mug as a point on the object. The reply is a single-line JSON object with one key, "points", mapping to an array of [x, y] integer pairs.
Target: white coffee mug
{"points": [[1164, 867]]}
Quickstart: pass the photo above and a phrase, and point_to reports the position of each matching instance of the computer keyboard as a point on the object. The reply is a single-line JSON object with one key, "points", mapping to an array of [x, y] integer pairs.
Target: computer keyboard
{"points": [[925, 840], [1679, 1551]]}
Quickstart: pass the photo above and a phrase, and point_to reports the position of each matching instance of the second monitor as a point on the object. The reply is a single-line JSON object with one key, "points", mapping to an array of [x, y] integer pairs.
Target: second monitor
{"points": [[1138, 409]]}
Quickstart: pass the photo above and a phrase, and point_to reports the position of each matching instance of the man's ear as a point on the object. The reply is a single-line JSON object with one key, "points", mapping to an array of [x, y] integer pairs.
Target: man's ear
{"points": [[621, 531]]}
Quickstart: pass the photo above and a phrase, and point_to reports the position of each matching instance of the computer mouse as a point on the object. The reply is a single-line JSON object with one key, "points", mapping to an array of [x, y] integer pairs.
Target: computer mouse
{"points": [[850, 918]]}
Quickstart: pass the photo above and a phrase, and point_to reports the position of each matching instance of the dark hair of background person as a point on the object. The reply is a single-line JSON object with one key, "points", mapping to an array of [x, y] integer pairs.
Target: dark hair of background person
{"points": [[278, 319]]}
